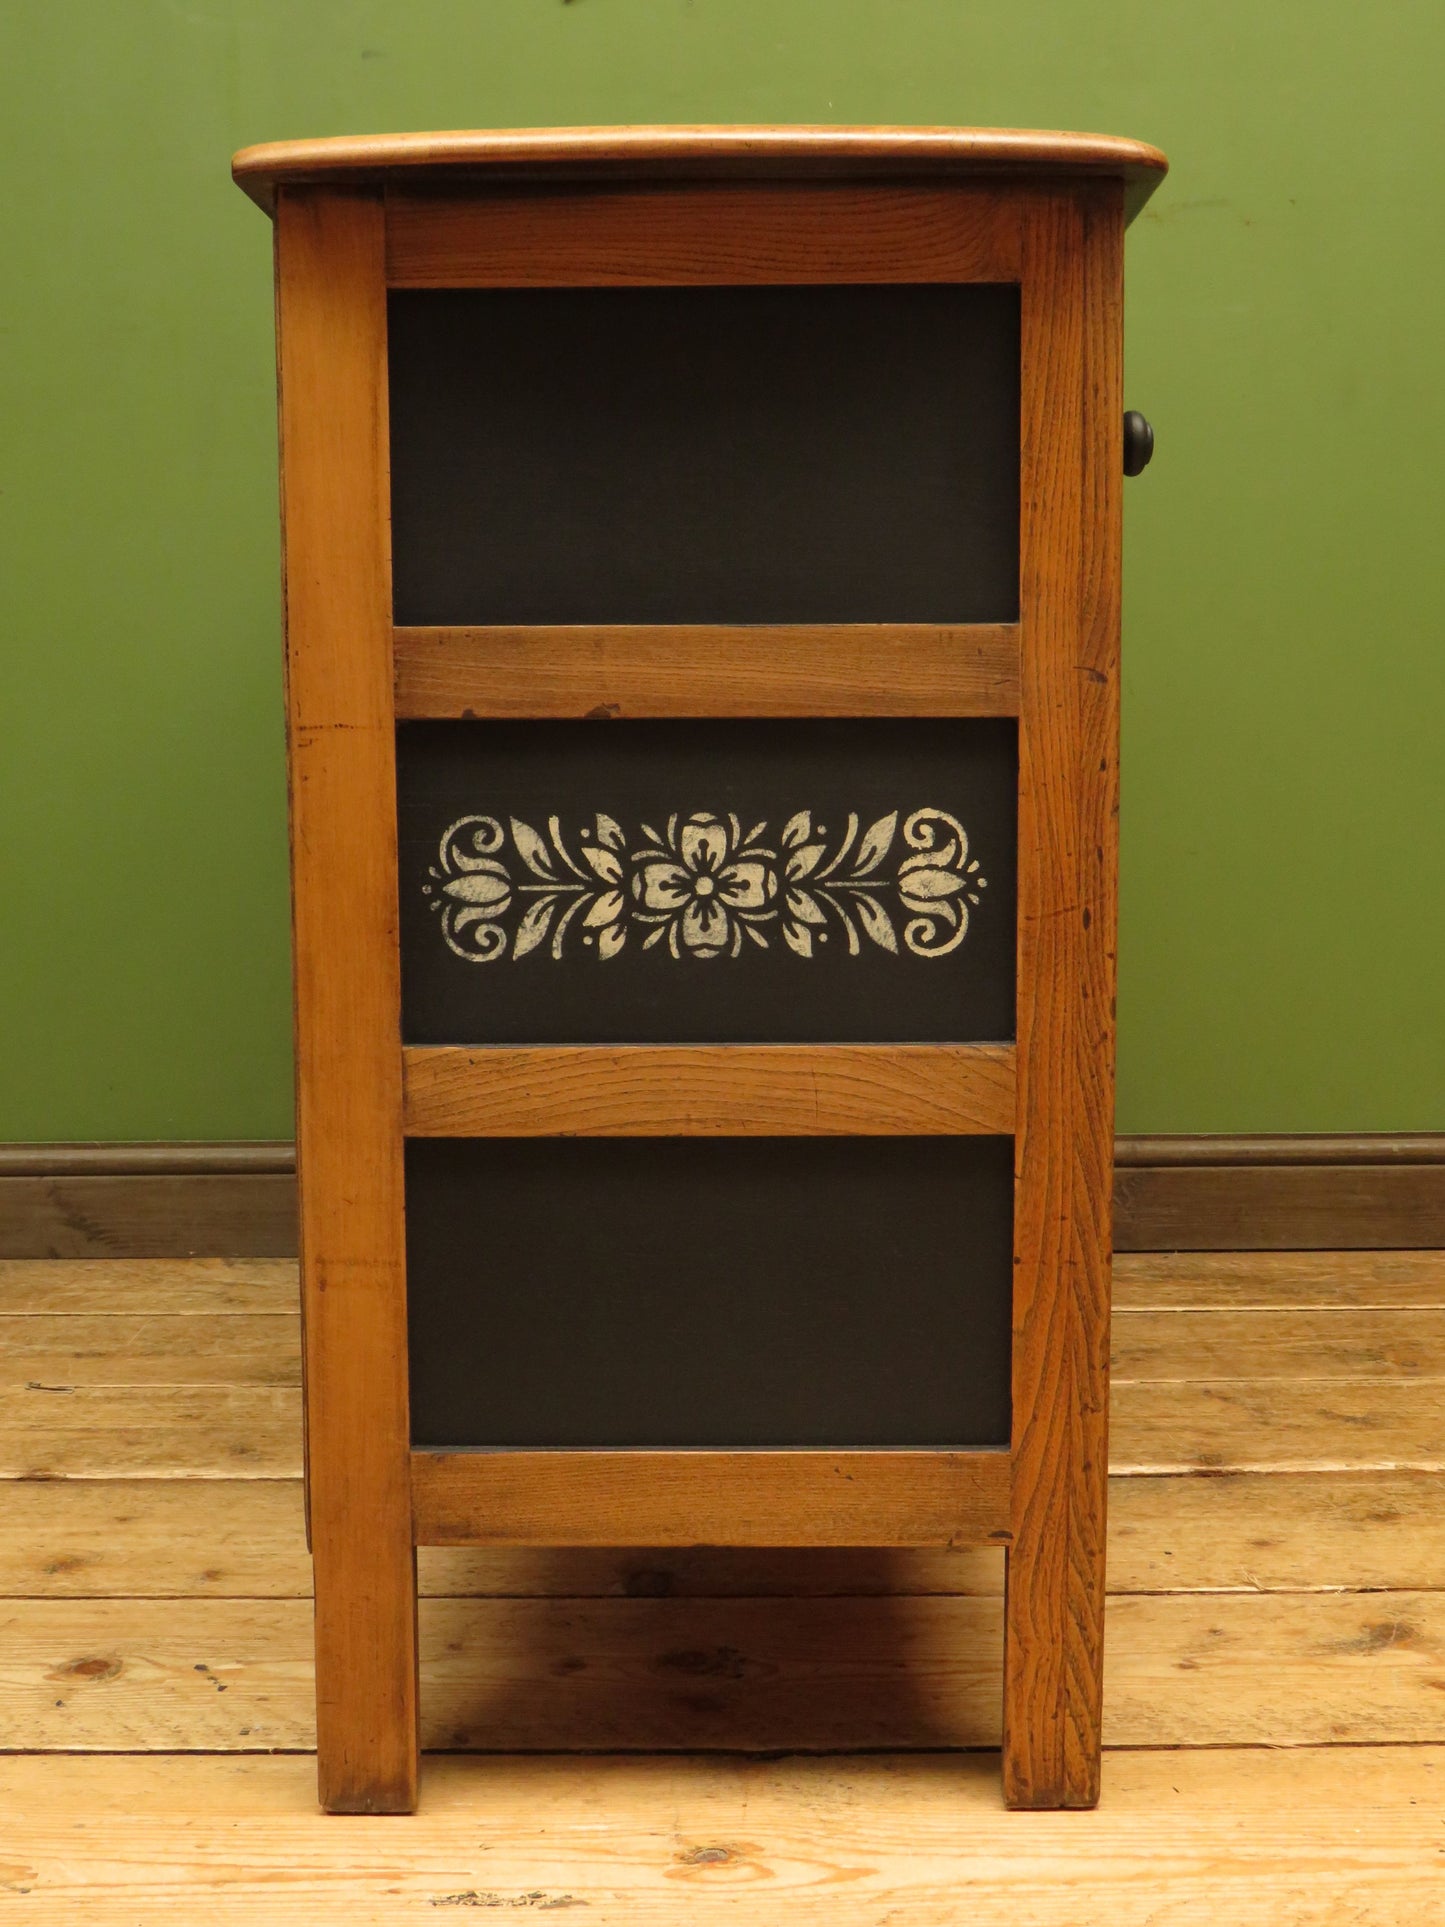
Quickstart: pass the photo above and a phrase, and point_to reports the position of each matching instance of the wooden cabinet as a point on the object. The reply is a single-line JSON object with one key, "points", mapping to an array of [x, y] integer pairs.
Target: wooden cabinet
{"points": [[702, 590]]}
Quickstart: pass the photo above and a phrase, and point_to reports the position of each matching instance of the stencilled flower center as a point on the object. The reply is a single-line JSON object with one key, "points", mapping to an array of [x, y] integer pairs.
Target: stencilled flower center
{"points": [[703, 886]]}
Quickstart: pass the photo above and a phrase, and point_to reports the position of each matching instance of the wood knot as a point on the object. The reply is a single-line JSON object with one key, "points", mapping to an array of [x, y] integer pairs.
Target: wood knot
{"points": [[91, 1668]]}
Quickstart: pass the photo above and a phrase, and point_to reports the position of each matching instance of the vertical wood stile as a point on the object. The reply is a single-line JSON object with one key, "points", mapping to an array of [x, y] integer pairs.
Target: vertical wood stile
{"points": [[1068, 760], [331, 314]]}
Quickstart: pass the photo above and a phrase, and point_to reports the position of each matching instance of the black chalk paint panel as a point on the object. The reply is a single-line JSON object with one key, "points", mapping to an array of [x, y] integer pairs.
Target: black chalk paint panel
{"points": [[709, 1292], [772, 454]]}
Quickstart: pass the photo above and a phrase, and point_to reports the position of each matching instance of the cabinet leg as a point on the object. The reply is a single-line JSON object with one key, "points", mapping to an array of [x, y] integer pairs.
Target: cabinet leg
{"points": [[366, 1683], [1053, 1676]]}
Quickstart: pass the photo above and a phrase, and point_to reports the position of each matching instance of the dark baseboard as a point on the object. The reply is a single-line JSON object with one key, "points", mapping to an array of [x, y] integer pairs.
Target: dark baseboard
{"points": [[1171, 1194], [148, 1200], [1372, 1193]]}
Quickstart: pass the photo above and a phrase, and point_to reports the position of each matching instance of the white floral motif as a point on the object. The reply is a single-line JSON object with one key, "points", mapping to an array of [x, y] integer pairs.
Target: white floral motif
{"points": [[703, 886]]}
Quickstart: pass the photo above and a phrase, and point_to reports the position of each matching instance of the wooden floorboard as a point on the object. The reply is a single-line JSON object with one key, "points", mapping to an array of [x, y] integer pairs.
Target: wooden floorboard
{"points": [[1270, 1280], [200, 1287], [153, 1431], [1331, 1838], [752, 1674], [150, 1348], [1278, 1425]]}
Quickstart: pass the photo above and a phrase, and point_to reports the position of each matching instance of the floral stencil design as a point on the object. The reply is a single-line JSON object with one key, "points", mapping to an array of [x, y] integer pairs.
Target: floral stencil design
{"points": [[704, 887]]}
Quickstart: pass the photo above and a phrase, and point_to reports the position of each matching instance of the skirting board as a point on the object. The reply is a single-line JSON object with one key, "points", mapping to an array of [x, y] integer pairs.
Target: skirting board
{"points": [[1171, 1194]]}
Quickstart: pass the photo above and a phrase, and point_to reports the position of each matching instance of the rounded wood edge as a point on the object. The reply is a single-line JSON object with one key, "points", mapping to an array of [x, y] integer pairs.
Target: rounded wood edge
{"points": [[698, 152]]}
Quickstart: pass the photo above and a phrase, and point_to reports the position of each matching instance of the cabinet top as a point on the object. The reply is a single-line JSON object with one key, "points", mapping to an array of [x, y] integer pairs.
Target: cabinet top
{"points": [[696, 153]]}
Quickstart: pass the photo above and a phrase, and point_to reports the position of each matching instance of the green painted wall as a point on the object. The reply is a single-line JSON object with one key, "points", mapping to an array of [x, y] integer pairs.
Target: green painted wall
{"points": [[1284, 826]]}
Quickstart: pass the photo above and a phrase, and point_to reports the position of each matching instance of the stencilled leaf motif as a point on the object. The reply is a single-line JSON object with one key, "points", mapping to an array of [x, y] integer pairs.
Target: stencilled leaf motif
{"points": [[607, 909], [704, 887], [875, 845], [533, 851], [604, 862], [533, 927], [875, 921]]}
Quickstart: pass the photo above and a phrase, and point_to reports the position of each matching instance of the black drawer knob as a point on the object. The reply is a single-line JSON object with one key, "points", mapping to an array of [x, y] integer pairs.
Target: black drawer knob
{"points": [[1138, 443]]}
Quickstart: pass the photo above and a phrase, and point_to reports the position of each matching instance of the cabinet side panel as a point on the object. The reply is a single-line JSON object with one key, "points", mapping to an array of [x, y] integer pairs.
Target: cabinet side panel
{"points": [[331, 314], [1068, 735]]}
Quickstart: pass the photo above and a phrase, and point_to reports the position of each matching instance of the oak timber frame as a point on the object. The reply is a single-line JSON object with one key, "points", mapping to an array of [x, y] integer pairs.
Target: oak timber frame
{"points": [[350, 675]]}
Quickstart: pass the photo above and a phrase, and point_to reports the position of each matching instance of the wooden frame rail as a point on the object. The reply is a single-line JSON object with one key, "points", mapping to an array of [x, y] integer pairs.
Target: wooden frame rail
{"points": [[608, 670], [756, 1498], [708, 1090], [758, 233]]}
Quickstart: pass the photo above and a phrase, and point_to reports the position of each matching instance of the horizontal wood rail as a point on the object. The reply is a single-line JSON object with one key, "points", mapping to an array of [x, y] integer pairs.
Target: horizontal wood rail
{"points": [[709, 1090], [706, 669], [758, 1498], [726, 235]]}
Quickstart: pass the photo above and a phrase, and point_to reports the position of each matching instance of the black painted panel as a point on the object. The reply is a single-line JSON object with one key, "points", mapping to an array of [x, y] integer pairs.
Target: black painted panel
{"points": [[779, 454], [707, 882], [709, 1291]]}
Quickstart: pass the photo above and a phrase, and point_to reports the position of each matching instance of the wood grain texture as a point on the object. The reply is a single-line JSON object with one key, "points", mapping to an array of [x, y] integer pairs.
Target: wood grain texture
{"points": [[764, 1498], [774, 669], [716, 236], [248, 1214], [331, 328], [160, 1431], [697, 152], [743, 1674], [728, 1090], [1240, 1838], [1271, 1425], [245, 1538], [1277, 1206], [197, 1287], [1278, 1280], [1187, 1347], [125, 1348], [1068, 806]]}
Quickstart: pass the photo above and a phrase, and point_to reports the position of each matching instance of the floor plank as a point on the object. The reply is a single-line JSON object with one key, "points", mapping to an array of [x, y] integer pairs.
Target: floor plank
{"points": [[1274, 1425], [163, 1431], [1277, 1280], [1181, 1347], [151, 1348], [198, 1287], [244, 1538], [757, 1674], [1231, 1839]]}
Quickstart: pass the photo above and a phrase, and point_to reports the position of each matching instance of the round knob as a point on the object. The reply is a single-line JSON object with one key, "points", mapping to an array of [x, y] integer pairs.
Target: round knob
{"points": [[1138, 443]]}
